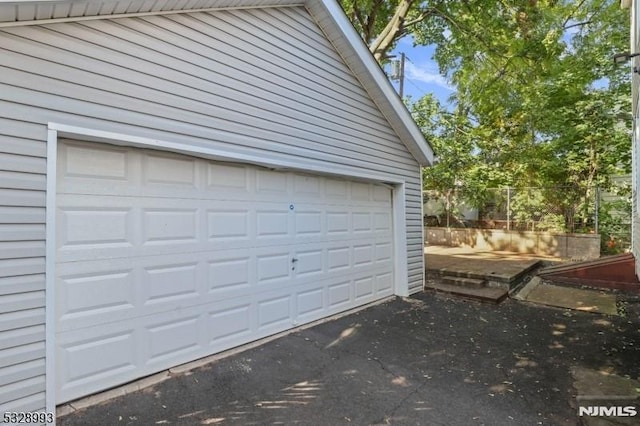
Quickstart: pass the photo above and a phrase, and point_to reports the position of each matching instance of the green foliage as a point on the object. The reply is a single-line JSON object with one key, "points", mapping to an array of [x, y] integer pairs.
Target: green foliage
{"points": [[528, 208], [615, 222], [369, 17], [552, 209], [538, 99], [546, 104], [381, 23]]}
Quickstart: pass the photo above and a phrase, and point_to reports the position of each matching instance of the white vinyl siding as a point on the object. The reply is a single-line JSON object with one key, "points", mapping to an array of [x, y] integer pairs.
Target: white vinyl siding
{"points": [[259, 82], [22, 281]]}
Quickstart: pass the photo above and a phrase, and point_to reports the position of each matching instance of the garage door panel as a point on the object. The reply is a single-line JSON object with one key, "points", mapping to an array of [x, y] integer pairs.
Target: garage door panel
{"points": [[163, 258], [364, 288], [310, 262], [108, 295], [135, 172], [88, 359], [354, 272], [336, 191], [360, 191], [223, 178], [271, 183], [361, 222], [383, 252], [175, 341], [98, 292], [338, 258], [340, 296], [168, 283], [228, 224], [77, 227], [274, 268], [363, 255], [384, 284], [307, 185], [168, 170], [338, 223], [272, 223], [229, 323], [275, 312], [171, 339], [382, 221], [169, 226], [308, 223], [103, 227], [310, 304], [103, 162], [381, 193], [106, 290], [229, 277]]}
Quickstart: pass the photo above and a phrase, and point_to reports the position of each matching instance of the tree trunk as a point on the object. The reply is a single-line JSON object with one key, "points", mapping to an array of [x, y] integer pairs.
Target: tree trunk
{"points": [[384, 42]]}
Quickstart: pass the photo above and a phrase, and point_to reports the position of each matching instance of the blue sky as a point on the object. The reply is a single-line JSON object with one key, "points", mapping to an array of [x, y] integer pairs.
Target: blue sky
{"points": [[421, 72]]}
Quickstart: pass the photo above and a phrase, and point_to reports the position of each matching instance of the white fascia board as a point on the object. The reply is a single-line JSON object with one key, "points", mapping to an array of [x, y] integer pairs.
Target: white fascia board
{"points": [[341, 33]]}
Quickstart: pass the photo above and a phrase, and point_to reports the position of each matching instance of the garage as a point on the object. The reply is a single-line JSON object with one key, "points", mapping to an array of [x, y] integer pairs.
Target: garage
{"points": [[182, 178], [164, 258]]}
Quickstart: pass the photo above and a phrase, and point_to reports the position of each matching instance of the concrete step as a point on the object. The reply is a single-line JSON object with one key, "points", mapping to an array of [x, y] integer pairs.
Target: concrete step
{"points": [[464, 281], [483, 294], [508, 272]]}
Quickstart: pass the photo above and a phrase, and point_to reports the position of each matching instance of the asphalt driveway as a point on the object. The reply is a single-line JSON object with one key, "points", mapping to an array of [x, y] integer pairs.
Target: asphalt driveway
{"points": [[425, 360]]}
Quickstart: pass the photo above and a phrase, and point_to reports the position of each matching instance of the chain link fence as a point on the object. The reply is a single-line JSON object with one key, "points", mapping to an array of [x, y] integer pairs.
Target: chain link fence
{"points": [[558, 209]]}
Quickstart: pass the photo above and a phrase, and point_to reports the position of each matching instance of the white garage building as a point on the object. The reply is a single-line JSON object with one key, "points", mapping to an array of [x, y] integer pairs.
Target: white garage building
{"points": [[179, 177]]}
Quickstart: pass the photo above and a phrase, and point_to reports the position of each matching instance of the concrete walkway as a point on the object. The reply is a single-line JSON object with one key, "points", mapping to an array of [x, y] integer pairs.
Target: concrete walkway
{"points": [[481, 275], [426, 360], [581, 299], [508, 267], [498, 265]]}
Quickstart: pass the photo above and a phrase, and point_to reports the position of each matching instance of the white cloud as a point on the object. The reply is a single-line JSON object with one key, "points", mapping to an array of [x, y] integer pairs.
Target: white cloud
{"points": [[426, 74]]}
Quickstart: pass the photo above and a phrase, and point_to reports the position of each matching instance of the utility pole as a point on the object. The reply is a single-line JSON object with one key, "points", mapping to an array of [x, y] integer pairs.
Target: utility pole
{"points": [[401, 89], [398, 73]]}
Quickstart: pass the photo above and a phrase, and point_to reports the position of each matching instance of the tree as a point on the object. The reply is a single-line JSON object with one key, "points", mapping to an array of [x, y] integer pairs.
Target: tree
{"points": [[538, 100], [382, 23]]}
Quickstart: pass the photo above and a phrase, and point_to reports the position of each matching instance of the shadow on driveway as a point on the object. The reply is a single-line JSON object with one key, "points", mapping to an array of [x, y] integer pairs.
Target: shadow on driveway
{"points": [[423, 360]]}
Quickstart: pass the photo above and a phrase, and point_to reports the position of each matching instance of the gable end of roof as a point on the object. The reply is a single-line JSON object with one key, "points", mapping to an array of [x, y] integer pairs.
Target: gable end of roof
{"points": [[327, 13]]}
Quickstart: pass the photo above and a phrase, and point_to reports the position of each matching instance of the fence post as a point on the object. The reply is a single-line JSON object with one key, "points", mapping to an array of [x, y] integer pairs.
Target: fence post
{"points": [[597, 203], [508, 208], [448, 207]]}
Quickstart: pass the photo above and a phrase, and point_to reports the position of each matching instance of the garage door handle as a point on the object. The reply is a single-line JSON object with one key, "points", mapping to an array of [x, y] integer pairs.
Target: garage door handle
{"points": [[293, 263]]}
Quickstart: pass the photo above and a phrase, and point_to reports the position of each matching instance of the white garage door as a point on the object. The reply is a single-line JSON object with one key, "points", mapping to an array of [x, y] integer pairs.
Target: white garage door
{"points": [[162, 259]]}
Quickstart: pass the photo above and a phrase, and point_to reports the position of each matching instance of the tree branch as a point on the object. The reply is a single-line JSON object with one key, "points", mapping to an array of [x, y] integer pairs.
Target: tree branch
{"points": [[579, 24], [389, 34], [421, 17], [575, 9]]}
